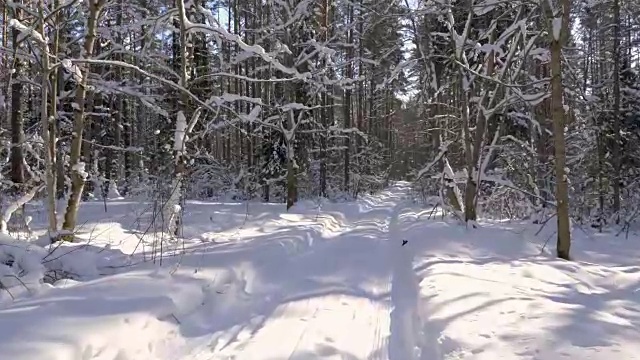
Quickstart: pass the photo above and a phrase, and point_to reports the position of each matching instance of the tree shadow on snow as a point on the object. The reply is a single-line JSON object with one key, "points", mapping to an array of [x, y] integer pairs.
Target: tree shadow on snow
{"points": [[326, 351], [591, 307], [592, 319], [254, 279]]}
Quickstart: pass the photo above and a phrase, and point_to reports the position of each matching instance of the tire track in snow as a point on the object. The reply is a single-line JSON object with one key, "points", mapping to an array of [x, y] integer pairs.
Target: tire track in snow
{"points": [[350, 321], [405, 320], [412, 337], [347, 326], [350, 326]]}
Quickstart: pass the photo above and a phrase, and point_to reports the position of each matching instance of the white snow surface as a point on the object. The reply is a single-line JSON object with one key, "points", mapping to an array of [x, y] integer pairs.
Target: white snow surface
{"points": [[332, 282]]}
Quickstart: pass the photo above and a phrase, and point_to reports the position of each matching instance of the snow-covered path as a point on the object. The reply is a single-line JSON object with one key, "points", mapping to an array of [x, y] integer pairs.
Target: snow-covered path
{"points": [[336, 299], [253, 282]]}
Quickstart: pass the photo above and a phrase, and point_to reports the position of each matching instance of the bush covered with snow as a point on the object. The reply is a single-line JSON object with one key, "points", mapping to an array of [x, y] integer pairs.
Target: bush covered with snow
{"points": [[28, 265]]}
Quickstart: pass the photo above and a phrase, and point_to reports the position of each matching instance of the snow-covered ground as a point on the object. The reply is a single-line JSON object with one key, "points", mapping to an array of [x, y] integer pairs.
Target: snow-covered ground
{"points": [[329, 282]]}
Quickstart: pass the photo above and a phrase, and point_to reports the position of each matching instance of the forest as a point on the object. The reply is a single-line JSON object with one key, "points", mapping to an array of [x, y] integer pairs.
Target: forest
{"points": [[319, 179], [498, 109]]}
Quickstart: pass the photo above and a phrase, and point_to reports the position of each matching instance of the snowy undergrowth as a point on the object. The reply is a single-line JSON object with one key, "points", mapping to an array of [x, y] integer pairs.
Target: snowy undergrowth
{"points": [[335, 279], [31, 268]]}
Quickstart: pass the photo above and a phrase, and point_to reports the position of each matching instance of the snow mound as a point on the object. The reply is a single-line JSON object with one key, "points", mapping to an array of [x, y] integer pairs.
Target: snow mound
{"points": [[127, 316]]}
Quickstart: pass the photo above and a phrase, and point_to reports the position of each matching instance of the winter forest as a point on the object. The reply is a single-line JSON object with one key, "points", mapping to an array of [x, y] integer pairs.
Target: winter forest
{"points": [[485, 104], [484, 111]]}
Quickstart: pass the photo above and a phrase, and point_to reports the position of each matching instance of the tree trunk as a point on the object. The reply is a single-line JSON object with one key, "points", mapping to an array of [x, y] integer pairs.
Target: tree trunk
{"points": [[616, 111], [347, 105], [17, 116], [48, 114], [171, 209], [78, 174], [470, 189], [291, 168], [558, 36]]}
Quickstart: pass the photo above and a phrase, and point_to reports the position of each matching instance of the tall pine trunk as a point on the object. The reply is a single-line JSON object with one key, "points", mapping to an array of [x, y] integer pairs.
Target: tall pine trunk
{"points": [[616, 110], [558, 36]]}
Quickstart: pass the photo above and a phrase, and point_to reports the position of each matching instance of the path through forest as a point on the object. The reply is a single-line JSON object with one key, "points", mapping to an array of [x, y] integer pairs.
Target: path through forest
{"points": [[380, 278], [349, 297]]}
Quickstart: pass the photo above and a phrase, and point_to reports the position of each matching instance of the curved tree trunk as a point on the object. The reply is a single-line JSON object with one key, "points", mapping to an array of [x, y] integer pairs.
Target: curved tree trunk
{"points": [[78, 175]]}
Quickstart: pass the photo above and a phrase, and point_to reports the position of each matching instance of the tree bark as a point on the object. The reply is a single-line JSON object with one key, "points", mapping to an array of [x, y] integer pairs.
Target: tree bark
{"points": [[558, 37], [48, 111], [616, 111], [347, 104], [17, 118], [77, 166]]}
